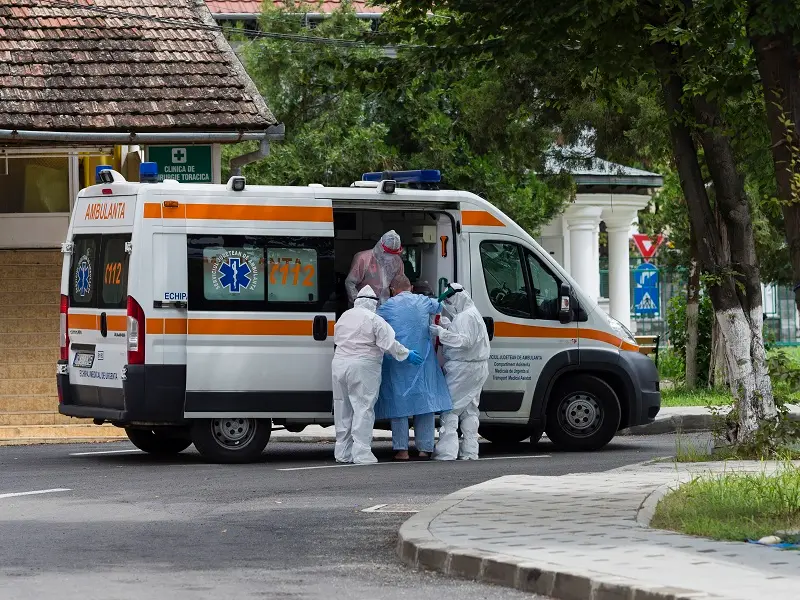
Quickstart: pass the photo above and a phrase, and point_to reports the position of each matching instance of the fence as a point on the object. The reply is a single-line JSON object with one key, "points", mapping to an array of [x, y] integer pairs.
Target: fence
{"points": [[781, 319]]}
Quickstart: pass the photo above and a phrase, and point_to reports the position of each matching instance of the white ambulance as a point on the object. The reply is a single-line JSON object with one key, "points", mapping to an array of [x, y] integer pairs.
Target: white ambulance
{"points": [[195, 313]]}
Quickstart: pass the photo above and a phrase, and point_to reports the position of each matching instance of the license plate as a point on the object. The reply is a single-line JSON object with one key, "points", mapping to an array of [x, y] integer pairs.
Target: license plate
{"points": [[84, 360]]}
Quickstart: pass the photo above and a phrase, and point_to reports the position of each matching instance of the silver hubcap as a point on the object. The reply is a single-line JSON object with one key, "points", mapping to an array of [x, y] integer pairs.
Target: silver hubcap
{"points": [[581, 415], [233, 433]]}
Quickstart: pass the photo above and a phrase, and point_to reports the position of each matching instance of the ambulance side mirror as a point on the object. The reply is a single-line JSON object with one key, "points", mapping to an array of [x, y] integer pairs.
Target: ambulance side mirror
{"points": [[564, 308]]}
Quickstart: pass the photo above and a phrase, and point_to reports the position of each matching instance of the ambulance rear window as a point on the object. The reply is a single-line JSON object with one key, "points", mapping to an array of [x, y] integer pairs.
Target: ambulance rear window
{"points": [[115, 273], [99, 271]]}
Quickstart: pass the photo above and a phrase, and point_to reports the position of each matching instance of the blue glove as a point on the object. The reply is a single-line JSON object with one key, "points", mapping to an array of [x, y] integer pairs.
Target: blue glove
{"points": [[415, 358], [439, 309]]}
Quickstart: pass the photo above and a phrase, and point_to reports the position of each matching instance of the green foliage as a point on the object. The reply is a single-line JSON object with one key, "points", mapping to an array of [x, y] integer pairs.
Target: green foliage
{"points": [[676, 325], [670, 365], [734, 506], [351, 109]]}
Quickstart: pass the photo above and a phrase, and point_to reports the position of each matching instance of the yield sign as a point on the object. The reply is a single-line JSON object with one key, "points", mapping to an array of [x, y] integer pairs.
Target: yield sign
{"points": [[646, 246]]}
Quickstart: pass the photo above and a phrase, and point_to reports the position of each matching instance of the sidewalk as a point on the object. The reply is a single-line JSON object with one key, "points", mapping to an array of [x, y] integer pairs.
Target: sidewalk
{"points": [[585, 537]]}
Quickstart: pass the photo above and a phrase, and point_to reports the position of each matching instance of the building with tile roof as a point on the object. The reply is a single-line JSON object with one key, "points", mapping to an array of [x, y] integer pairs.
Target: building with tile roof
{"points": [[84, 83]]}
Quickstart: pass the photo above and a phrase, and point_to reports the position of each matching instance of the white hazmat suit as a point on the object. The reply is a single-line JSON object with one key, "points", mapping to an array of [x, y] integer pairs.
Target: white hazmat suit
{"points": [[361, 338], [466, 348]]}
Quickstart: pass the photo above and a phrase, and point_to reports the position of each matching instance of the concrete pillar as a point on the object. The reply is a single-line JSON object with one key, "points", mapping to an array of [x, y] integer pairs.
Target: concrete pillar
{"points": [[596, 260], [618, 228], [582, 222]]}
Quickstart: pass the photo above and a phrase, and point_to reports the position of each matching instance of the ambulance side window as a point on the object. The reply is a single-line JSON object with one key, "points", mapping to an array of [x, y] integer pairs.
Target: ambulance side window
{"points": [[504, 273], [260, 273], [545, 289], [83, 273]]}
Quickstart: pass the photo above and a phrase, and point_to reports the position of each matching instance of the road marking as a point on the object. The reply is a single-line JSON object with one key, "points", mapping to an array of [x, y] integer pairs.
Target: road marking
{"points": [[34, 493], [412, 462], [393, 508], [132, 450]]}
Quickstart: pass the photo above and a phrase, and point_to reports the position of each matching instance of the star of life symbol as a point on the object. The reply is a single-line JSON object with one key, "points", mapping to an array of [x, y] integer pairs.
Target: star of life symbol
{"points": [[234, 271], [83, 276]]}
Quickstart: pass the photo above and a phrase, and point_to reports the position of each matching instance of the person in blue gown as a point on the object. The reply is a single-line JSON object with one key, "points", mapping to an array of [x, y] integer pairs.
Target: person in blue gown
{"points": [[406, 390]]}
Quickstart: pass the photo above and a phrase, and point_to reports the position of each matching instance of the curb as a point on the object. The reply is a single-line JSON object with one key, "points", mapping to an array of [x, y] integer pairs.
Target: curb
{"points": [[647, 509], [674, 424], [417, 547]]}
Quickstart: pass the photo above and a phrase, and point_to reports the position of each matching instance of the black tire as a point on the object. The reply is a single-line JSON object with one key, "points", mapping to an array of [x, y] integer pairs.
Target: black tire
{"points": [[231, 440], [504, 435], [155, 443], [583, 413]]}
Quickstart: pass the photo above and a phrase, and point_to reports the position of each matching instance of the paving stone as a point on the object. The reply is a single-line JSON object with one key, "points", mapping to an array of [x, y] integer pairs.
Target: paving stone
{"points": [[567, 562]]}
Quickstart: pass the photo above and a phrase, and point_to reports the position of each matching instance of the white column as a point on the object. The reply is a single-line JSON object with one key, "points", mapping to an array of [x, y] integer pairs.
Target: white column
{"points": [[596, 260], [584, 267], [619, 290]]}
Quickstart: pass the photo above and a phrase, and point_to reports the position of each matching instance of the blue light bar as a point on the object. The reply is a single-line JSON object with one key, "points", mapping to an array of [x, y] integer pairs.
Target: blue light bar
{"points": [[148, 172], [417, 176], [97, 172]]}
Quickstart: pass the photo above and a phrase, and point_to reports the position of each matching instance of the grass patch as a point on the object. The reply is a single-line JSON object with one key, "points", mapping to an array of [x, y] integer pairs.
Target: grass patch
{"points": [[733, 506], [702, 397]]}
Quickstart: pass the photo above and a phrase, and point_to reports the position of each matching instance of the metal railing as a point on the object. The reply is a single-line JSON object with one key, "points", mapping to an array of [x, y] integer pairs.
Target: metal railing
{"points": [[781, 319]]}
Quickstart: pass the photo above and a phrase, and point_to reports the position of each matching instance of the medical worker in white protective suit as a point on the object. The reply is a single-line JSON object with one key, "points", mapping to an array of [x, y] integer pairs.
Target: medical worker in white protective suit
{"points": [[361, 338], [376, 268], [465, 344]]}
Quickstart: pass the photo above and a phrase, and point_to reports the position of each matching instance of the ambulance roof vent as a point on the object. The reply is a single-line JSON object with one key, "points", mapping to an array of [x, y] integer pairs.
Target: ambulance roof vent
{"points": [[365, 184], [316, 185]]}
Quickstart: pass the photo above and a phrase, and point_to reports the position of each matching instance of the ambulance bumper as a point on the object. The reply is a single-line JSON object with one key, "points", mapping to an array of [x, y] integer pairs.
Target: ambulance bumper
{"points": [[152, 394]]}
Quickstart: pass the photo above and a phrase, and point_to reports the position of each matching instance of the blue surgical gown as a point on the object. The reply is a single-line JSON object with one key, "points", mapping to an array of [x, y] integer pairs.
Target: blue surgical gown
{"points": [[407, 390]]}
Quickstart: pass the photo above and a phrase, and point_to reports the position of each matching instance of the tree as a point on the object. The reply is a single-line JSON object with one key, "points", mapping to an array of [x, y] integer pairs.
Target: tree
{"points": [[620, 40], [349, 108]]}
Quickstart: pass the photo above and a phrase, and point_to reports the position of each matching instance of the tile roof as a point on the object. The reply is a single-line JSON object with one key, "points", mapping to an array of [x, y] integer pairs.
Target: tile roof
{"points": [[67, 68], [250, 7]]}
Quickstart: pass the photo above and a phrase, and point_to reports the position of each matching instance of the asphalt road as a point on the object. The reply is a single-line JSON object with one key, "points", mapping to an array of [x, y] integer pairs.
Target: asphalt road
{"points": [[128, 526]]}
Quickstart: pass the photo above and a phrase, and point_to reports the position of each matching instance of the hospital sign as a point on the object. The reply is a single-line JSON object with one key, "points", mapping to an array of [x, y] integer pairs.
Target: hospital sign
{"points": [[187, 164]]}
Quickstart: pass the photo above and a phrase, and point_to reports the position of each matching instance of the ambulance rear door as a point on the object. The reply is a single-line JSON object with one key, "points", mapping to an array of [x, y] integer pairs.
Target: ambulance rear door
{"points": [[97, 295]]}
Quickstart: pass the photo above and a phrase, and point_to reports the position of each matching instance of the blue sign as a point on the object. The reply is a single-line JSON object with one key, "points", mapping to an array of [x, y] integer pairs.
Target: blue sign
{"points": [[646, 297]]}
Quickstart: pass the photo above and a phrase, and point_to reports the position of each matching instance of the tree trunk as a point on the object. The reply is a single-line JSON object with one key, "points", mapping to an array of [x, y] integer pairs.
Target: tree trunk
{"points": [[718, 369], [692, 318], [734, 274], [742, 317], [777, 59]]}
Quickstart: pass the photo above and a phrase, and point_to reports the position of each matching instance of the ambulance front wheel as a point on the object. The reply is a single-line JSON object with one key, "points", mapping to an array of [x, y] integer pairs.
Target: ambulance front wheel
{"points": [[156, 443], [231, 440], [583, 413]]}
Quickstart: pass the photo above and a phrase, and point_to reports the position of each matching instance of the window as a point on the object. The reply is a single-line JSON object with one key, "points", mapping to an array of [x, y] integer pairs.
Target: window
{"points": [[505, 278], [114, 287], [261, 273], [89, 274], [82, 275], [292, 275], [411, 262], [233, 273], [545, 289], [34, 185], [518, 288]]}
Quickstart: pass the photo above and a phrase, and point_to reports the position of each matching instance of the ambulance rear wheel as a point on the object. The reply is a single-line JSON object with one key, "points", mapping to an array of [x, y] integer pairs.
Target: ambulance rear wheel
{"points": [[231, 440], [155, 443]]}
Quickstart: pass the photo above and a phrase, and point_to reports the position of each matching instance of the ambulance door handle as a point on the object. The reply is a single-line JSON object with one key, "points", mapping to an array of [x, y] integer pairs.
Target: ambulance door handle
{"points": [[320, 328], [103, 325], [489, 322]]}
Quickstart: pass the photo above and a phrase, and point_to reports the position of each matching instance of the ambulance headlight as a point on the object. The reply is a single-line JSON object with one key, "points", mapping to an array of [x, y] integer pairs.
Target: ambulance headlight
{"points": [[622, 331]]}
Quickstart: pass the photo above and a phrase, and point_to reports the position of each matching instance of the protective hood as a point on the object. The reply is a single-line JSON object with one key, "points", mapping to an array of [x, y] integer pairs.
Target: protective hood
{"points": [[458, 302], [388, 248], [367, 299]]}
